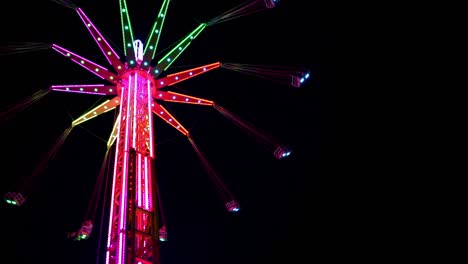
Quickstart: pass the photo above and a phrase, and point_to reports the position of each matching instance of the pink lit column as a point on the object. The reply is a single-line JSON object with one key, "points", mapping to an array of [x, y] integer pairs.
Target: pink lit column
{"points": [[132, 229]]}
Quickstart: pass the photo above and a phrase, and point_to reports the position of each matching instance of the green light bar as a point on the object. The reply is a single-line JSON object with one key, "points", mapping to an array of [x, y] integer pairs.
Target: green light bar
{"points": [[167, 60], [127, 32], [153, 38]]}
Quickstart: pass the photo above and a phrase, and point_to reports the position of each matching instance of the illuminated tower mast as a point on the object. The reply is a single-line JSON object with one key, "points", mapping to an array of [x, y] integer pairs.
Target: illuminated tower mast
{"points": [[136, 89], [133, 224]]}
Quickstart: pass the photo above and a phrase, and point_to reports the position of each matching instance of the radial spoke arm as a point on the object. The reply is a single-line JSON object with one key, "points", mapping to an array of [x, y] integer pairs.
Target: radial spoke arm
{"points": [[87, 64], [115, 132], [166, 116], [100, 89], [127, 32], [181, 98], [106, 49], [184, 75], [153, 38], [170, 57], [102, 108]]}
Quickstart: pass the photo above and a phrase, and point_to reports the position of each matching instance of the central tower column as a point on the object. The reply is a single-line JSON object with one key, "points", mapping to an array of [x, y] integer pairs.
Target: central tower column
{"points": [[133, 225]]}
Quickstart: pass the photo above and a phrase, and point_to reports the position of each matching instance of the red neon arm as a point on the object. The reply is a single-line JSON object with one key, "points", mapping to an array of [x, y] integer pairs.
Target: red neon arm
{"points": [[184, 75], [181, 98], [166, 116]]}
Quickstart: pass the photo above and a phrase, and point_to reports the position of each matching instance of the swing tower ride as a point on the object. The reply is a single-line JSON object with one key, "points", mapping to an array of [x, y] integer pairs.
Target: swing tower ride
{"points": [[135, 88]]}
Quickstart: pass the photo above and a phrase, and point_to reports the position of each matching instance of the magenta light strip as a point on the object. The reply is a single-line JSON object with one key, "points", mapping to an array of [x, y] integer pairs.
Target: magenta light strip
{"points": [[78, 85], [147, 179], [135, 109], [82, 92], [86, 20], [121, 253], [140, 175], [123, 205], [116, 158], [128, 113], [150, 118], [79, 60]]}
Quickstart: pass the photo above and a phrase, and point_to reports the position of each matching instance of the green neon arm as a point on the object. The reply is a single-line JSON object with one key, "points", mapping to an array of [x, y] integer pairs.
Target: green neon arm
{"points": [[127, 32], [170, 57], [153, 38]]}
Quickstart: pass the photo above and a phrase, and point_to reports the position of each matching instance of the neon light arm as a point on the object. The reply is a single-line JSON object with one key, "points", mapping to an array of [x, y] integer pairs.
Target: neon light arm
{"points": [[184, 75], [87, 64], [170, 57], [181, 98], [106, 49], [166, 116], [115, 131], [100, 109], [100, 89], [153, 38], [127, 33]]}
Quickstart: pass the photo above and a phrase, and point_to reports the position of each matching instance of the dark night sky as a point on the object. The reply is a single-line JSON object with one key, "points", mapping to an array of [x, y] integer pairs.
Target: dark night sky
{"points": [[283, 201]]}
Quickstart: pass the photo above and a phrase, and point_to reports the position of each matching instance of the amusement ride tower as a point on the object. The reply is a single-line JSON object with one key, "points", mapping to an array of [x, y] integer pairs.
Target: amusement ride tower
{"points": [[136, 87]]}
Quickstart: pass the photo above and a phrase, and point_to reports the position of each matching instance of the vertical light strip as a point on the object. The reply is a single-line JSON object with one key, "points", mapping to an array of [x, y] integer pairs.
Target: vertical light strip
{"points": [[135, 109], [147, 194], [114, 182], [123, 198], [150, 119], [140, 174], [128, 113], [150, 186], [121, 253]]}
